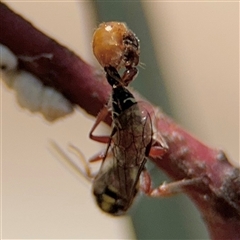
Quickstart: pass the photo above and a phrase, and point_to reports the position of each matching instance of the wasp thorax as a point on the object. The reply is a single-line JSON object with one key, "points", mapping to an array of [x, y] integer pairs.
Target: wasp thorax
{"points": [[115, 45]]}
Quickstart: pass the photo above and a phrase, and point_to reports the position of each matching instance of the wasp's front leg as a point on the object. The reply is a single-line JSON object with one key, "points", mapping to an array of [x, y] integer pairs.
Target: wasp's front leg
{"points": [[165, 189], [101, 116]]}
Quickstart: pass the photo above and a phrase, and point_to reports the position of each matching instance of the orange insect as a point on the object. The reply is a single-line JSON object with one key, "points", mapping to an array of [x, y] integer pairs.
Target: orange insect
{"points": [[117, 46]]}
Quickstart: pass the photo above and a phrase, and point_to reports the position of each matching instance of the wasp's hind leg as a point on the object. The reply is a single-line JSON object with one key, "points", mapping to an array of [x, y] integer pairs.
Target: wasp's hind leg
{"points": [[165, 189], [159, 142], [159, 146]]}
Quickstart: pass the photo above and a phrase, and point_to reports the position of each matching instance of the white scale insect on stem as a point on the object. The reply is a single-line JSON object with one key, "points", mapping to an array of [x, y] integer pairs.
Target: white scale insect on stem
{"points": [[30, 92]]}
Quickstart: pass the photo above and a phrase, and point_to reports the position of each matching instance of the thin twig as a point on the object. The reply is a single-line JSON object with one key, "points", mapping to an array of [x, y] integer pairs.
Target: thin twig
{"points": [[217, 196]]}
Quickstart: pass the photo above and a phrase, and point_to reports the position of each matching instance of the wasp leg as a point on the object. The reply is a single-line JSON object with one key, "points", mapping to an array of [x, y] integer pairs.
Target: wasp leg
{"points": [[129, 75], [169, 189], [145, 182], [101, 116], [159, 146], [157, 151], [165, 189], [83, 169], [87, 171], [86, 164], [99, 156]]}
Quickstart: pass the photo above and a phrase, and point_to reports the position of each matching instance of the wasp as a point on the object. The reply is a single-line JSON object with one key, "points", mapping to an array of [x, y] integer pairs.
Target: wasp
{"points": [[129, 145], [122, 172]]}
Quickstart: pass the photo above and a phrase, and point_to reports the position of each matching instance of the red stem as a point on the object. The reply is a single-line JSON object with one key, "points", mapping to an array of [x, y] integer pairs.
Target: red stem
{"points": [[218, 194]]}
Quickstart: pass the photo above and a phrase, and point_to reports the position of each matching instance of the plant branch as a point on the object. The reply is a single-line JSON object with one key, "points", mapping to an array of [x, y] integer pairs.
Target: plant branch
{"points": [[217, 195]]}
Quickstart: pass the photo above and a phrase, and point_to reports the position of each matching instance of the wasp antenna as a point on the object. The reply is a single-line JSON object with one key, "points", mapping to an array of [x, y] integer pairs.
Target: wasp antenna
{"points": [[60, 154]]}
